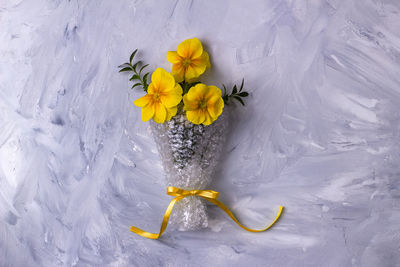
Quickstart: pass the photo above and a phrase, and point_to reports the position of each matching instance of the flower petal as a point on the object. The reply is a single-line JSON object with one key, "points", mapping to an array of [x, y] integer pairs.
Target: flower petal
{"points": [[212, 91], [171, 112], [160, 113], [206, 59], [172, 97], [191, 96], [215, 106], [170, 100], [147, 112], [178, 89], [143, 101], [202, 115], [208, 120], [190, 48], [194, 71], [178, 71], [199, 90], [150, 89], [189, 104], [203, 60], [173, 57], [196, 116], [162, 80]]}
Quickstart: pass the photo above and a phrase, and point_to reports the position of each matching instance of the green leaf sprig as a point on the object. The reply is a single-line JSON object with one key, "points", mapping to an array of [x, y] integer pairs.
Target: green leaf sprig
{"points": [[137, 78], [237, 94]]}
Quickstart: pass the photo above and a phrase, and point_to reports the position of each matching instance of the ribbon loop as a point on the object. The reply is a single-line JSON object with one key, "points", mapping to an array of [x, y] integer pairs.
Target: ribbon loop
{"points": [[211, 196]]}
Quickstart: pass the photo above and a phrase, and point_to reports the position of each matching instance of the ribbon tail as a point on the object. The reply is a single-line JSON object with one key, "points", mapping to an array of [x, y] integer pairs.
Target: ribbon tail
{"points": [[230, 214], [164, 223]]}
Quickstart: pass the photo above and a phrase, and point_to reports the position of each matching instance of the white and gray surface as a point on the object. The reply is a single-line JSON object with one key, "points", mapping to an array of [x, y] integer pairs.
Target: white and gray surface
{"points": [[320, 134]]}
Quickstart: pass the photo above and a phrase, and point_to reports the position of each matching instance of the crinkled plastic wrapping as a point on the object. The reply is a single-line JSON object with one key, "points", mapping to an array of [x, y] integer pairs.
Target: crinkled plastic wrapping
{"points": [[190, 154]]}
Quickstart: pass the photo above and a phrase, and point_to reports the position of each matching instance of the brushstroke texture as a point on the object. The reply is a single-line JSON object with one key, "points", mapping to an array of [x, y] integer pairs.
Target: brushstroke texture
{"points": [[320, 134]]}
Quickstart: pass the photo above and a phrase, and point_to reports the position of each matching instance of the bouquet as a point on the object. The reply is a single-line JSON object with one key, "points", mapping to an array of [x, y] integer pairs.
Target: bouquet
{"points": [[189, 126]]}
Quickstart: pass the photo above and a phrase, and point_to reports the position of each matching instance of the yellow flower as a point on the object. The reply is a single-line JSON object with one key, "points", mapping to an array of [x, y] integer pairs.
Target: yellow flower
{"points": [[203, 104], [189, 60], [162, 98]]}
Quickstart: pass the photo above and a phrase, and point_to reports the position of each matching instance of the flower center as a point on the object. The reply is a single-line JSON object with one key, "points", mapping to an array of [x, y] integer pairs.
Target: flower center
{"points": [[203, 103], [186, 62], [156, 96]]}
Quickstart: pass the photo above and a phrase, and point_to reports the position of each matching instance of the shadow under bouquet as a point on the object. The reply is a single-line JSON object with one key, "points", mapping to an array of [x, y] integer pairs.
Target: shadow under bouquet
{"points": [[189, 125]]}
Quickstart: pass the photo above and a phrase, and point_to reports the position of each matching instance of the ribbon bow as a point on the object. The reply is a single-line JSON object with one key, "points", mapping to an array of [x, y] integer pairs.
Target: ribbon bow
{"points": [[211, 196]]}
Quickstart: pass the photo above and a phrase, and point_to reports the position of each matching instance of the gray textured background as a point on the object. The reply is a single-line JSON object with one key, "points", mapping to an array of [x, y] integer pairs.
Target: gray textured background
{"points": [[320, 134]]}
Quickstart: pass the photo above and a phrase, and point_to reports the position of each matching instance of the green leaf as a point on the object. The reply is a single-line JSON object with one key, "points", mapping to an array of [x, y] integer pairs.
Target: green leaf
{"points": [[241, 86], [136, 84], [135, 77], [142, 68], [126, 69], [239, 99], [225, 98], [243, 94], [136, 64], [145, 78], [234, 91], [124, 65], [223, 85], [132, 56]]}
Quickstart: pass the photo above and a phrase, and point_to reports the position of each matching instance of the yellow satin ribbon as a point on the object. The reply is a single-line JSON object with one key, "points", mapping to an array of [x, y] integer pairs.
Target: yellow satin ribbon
{"points": [[209, 195]]}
